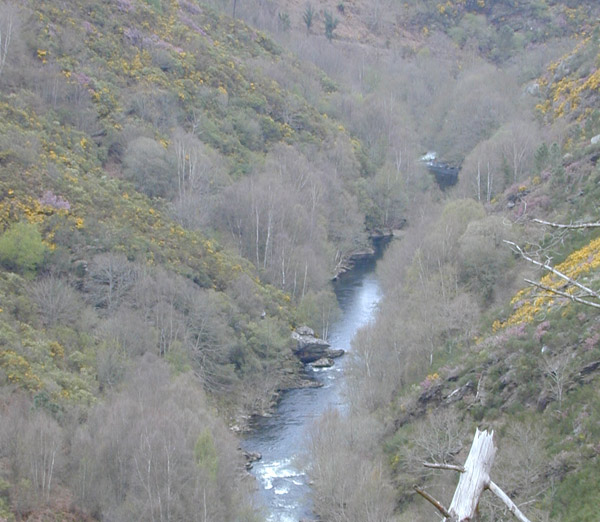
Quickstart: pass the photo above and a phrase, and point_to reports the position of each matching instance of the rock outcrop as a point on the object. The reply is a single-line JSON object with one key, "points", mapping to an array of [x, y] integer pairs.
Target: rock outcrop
{"points": [[310, 348], [325, 362]]}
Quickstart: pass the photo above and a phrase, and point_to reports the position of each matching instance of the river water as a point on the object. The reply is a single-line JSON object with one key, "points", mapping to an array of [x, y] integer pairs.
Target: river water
{"points": [[284, 488]]}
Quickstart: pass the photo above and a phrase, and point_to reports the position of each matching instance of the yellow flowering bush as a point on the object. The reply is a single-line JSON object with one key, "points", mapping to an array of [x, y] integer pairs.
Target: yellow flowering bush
{"points": [[528, 303]]}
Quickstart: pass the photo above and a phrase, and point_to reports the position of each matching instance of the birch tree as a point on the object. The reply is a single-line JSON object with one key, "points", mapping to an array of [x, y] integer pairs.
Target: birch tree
{"points": [[8, 23], [200, 175]]}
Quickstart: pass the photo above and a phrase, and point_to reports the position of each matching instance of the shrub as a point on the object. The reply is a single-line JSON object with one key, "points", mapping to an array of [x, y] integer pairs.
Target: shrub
{"points": [[21, 248], [330, 24]]}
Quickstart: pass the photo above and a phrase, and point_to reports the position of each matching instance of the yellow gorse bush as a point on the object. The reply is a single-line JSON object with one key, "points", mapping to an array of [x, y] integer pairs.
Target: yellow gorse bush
{"points": [[527, 304]]}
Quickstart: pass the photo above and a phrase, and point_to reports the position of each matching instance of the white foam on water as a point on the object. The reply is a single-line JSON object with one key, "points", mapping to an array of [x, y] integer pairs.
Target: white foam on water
{"points": [[322, 370], [281, 490], [278, 469], [281, 518]]}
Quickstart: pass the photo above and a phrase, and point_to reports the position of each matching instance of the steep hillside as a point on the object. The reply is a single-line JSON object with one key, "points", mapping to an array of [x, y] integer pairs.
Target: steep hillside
{"points": [[176, 191], [168, 213], [65, 122], [490, 320]]}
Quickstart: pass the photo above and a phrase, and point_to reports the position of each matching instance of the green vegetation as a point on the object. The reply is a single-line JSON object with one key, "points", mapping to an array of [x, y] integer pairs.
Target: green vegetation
{"points": [[461, 341], [21, 248], [308, 16], [127, 130], [177, 188]]}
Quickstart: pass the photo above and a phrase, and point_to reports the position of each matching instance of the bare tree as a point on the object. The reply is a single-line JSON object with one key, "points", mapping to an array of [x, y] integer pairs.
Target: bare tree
{"points": [[348, 473], [439, 438], [8, 22], [111, 277], [31, 443], [479, 173], [131, 330], [149, 166], [558, 370], [153, 451], [43, 443], [567, 225], [160, 298], [517, 142], [276, 218], [200, 175], [523, 443], [57, 302], [474, 479]]}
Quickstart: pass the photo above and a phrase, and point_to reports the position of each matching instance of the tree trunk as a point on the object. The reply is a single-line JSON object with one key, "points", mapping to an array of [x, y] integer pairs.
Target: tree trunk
{"points": [[475, 478]]}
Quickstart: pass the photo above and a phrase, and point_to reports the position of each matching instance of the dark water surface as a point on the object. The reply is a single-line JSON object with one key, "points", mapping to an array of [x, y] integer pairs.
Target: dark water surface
{"points": [[280, 438]]}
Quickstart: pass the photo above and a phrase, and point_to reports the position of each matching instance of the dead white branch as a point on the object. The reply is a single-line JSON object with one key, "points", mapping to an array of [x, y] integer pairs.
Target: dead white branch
{"points": [[7, 19], [475, 478], [437, 504], [512, 507], [564, 225], [589, 292], [451, 467], [563, 294]]}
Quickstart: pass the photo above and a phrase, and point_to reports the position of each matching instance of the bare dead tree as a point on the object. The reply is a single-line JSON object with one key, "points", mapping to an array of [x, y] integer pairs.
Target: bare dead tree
{"points": [[474, 480], [572, 297], [57, 301]]}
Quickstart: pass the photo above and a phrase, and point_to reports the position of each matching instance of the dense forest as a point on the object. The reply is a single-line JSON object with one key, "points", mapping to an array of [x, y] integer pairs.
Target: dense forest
{"points": [[180, 180]]}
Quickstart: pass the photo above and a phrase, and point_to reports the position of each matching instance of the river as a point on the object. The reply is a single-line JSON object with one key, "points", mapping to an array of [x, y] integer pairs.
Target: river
{"points": [[284, 488]]}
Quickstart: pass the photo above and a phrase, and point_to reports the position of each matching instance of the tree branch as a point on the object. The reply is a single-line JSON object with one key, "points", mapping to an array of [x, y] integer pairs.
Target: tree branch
{"points": [[433, 501], [564, 294], [512, 507], [451, 467], [571, 226], [546, 266]]}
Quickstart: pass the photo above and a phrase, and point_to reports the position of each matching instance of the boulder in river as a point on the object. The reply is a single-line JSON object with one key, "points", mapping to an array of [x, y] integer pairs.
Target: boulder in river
{"points": [[308, 347], [251, 457], [323, 362]]}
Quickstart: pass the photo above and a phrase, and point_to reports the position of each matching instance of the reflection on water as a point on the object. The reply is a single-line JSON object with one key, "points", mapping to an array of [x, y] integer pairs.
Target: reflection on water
{"points": [[280, 438]]}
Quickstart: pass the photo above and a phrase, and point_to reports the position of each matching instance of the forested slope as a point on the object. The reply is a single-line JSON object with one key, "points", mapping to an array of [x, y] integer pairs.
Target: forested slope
{"points": [[169, 211], [176, 191]]}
